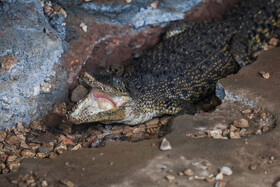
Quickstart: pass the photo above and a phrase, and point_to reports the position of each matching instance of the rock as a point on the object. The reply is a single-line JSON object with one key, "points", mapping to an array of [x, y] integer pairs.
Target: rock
{"points": [[31, 52], [253, 166], [219, 176], [226, 170], [180, 173], [59, 149], [13, 165], [241, 123], [77, 147], [36, 125], [262, 115], [247, 111], [2, 166], [164, 120], [216, 134], [42, 155], [233, 128], [265, 75], [170, 178], [27, 153], [67, 182], [44, 183], [20, 127], [3, 135], [234, 135], [220, 184], [189, 172], [243, 132], [273, 42], [78, 93], [265, 128], [165, 145], [152, 123]]}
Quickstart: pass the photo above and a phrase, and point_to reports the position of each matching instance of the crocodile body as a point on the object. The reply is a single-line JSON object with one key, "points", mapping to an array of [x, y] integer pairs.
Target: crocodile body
{"points": [[182, 69]]}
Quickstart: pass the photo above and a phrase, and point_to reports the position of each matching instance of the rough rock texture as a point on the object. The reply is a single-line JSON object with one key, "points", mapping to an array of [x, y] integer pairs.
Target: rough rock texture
{"points": [[31, 82], [254, 161]]}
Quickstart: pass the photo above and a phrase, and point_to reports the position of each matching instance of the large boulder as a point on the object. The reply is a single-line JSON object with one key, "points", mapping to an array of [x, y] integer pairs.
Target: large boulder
{"points": [[31, 79]]}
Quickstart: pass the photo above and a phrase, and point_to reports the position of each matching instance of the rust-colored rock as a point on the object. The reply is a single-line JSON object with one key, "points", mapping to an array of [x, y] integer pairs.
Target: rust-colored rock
{"points": [[7, 63]]}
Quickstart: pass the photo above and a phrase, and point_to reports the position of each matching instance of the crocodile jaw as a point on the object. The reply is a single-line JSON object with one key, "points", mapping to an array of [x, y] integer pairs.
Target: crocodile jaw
{"points": [[99, 106]]}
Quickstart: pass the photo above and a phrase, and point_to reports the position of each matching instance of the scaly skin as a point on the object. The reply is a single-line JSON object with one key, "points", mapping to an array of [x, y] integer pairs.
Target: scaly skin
{"points": [[181, 69]]}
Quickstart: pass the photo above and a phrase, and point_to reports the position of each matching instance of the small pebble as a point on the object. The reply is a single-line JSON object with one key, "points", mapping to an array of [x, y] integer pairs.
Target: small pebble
{"points": [[265, 128], [226, 170], [253, 166], [152, 123], [83, 26], [165, 145], [265, 75], [180, 173], [241, 123], [67, 182], [277, 184], [234, 135], [220, 184], [170, 178], [273, 42], [219, 176], [247, 111], [189, 172], [154, 4], [36, 125]]}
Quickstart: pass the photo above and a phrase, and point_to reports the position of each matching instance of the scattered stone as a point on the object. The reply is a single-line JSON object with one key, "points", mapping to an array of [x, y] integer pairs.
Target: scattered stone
{"points": [[67, 182], [42, 155], [60, 148], [241, 123], [180, 173], [2, 166], [170, 178], [233, 128], [265, 75], [234, 135], [152, 123], [210, 179], [220, 184], [20, 126], [253, 166], [36, 125], [165, 145], [34, 146], [164, 120], [265, 128], [258, 132], [154, 4], [262, 115], [247, 111], [83, 26], [27, 153], [13, 165], [189, 172], [226, 170], [273, 42], [52, 155], [65, 140], [3, 135], [77, 147], [44, 183], [78, 93], [242, 132], [219, 176], [216, 134]]}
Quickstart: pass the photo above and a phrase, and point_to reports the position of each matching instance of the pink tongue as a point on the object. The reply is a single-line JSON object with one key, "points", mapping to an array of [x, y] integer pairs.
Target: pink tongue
{"points": [[102, 97]]}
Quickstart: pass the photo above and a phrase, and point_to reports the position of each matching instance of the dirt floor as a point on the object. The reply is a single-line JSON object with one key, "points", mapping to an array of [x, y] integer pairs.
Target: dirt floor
{"points": [[235, 145]]}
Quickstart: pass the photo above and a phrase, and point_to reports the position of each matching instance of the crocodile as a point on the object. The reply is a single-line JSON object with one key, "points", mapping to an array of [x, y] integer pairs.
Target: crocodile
{"points": [[181, 69]]}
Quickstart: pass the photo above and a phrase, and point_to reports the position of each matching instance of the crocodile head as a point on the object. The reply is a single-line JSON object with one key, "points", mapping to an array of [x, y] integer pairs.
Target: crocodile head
{"points": [[107, 104]]}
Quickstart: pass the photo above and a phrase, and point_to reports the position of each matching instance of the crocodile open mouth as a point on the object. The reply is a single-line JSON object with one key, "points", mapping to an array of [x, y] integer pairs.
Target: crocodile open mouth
{"points": [[94, 104]]}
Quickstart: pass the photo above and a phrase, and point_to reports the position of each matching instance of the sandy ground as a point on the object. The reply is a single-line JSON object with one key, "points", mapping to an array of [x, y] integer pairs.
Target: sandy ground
{"points": [[254, 159]]}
